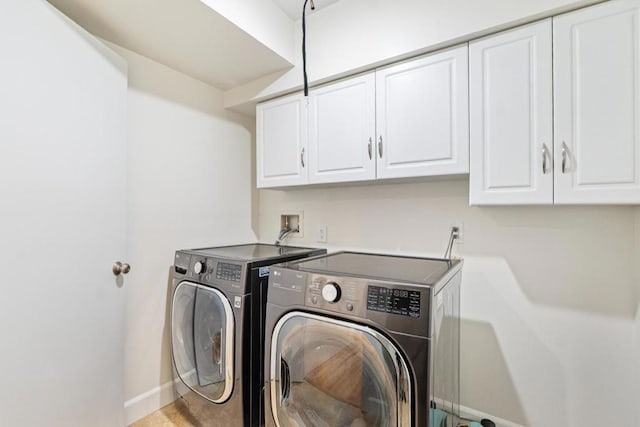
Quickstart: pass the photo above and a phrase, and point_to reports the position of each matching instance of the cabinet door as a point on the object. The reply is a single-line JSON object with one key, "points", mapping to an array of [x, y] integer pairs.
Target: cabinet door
{"points": [[281, 142], [511, 130], [422, 116], [342, 122], [597, 107]]}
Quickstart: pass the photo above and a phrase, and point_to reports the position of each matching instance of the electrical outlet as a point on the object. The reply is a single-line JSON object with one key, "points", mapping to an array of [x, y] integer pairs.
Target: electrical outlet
{"points": [[460, 227], [322, 234]]}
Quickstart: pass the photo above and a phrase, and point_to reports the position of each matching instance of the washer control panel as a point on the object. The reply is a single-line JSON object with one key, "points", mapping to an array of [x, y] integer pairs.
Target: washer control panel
{"points": [[218, 272], [229, 272], [200, 267]]}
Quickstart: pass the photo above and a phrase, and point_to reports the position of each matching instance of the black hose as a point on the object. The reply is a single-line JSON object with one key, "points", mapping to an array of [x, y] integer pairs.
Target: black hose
{"points": [[304, 47]]}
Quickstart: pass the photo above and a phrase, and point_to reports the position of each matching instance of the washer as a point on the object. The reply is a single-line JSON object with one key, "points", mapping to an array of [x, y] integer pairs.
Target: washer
{"points": [[355, 339], [216, 329]]}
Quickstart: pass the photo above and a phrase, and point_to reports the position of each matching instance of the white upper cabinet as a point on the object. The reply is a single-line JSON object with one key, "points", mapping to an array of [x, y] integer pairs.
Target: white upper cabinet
{"points": [[282, 142], [597, 104], [422, 116], [511, 111], [541, 114], [342, 123], [408, 120]]}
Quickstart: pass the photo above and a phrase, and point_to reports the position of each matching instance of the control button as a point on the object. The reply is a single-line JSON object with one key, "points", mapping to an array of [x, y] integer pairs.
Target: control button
{"points": [[349, 306], [314, 299], [331, 292], [199, 267]]}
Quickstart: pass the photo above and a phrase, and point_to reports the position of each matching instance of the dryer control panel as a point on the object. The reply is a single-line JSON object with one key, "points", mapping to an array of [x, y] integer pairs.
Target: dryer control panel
{"points": [[395, 306], [337, 294], [395, 301], [363, 298]]}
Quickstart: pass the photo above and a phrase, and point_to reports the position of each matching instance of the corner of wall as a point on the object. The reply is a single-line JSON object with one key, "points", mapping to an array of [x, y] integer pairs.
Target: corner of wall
{"points": [[636, 257]]}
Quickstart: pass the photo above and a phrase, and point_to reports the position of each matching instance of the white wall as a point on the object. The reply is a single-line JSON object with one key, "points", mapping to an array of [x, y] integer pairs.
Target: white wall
{"points": [[190, 181], [637, 332], [263, 20], [549, 294], [354, 35]]}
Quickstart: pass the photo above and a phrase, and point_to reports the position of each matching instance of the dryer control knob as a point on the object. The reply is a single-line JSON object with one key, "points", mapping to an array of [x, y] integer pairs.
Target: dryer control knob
{"points": [[331, 292], [199, 267]]}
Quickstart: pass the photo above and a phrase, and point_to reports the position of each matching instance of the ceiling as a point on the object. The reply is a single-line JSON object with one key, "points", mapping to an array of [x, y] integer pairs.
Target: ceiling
{"points": [[185, 35], [293, 8]]}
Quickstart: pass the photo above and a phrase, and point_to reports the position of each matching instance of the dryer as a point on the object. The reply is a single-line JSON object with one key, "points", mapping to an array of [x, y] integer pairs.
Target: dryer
{"points": [[355, 339], [216, 329]]}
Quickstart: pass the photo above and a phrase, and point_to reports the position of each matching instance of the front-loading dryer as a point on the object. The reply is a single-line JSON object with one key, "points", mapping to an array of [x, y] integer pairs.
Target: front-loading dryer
{"points": [[216, 329], [355, 340]]}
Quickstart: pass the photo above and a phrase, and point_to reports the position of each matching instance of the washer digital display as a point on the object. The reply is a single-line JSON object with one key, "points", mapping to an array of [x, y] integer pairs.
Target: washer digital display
{"points": [[229, 272]]}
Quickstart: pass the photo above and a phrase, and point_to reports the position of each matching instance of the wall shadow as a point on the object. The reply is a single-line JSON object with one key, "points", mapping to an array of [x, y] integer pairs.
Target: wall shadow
{"points": [[485, 376]]}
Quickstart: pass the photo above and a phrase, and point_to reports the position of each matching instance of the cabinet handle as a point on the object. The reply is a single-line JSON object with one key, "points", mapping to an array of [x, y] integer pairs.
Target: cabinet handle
{"points": [[369, 148], [545, 156], [565, 154], [302, 157], [380, 146]]}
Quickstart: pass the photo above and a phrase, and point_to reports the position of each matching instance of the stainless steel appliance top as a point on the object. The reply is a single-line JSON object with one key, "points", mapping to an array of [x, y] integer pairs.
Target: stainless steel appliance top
{"points": [[252, 252], [425, 271]]}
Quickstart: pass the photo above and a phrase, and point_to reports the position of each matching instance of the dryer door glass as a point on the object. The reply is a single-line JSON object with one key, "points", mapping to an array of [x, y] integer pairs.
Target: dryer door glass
{"points": [[326, 372], [203, 340]]}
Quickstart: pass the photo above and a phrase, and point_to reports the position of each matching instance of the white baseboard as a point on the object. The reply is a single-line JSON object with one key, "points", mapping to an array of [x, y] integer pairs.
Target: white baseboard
{"points": [[149, 401], [473, 414]]}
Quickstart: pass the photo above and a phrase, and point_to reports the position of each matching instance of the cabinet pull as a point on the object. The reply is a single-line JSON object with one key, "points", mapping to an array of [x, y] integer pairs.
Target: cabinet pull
{"points": [[302, 157], [565, 154], [380, 146], [545, 156], [369, 148]]}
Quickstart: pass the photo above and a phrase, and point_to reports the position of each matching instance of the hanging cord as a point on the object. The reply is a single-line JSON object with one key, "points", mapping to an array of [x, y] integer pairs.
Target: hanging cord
{"points": [[304, 45], [455, 234]]}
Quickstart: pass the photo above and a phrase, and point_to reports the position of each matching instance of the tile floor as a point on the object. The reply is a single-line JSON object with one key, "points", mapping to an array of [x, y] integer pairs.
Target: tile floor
{"points": [[177, 415], [173, 415]]}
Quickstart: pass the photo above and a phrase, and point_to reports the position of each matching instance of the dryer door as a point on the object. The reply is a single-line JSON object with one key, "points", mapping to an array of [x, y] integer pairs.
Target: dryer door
{"points": [[202, 339], [326, 372]]}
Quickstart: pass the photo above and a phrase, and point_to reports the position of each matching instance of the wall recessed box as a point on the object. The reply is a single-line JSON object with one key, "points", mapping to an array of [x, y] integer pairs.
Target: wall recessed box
{"points": [[293, 222], [406, 120]]}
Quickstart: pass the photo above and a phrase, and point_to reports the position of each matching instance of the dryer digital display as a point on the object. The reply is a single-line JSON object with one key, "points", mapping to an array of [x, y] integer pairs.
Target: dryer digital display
{"points": [[395, 301]]}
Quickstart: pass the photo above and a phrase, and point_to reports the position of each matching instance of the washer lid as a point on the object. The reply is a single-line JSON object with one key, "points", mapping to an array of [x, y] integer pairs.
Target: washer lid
{"points": [[427, 271]]}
